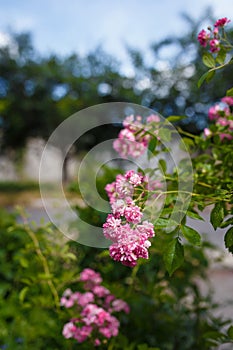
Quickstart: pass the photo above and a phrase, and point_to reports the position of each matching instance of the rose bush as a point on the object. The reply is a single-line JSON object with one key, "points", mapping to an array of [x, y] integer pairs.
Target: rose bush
{"points": [[52, 294]]}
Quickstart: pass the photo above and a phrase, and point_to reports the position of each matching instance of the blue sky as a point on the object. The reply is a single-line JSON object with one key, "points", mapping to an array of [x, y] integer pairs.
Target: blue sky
{"points": [[65, 26]]}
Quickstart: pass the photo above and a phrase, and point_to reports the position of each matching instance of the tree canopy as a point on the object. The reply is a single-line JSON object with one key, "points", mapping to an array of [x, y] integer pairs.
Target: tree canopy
{"points": [[38, 92]]}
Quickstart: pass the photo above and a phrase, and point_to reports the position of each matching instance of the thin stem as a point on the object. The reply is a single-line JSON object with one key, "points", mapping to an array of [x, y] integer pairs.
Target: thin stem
{"points": [[42, 259]]}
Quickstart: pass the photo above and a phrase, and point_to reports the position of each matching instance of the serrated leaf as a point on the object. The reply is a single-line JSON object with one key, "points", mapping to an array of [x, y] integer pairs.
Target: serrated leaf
{"points": [[191, 235], [208, 60], [22, 294], [228, 239], [173, 256], [217, 215], [175, 118], [230, 92], [230, 332]]}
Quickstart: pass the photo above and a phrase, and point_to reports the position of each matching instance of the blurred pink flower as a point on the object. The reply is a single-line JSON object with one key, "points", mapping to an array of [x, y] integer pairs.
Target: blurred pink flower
{"points": [[221, 22], [203, 38]]}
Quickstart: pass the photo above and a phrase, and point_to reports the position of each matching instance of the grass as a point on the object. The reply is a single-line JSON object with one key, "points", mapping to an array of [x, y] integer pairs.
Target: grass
{"points": [[18, 186], [24, 193]]}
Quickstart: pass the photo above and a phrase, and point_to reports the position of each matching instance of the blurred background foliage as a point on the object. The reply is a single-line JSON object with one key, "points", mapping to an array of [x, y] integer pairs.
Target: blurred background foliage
{"points": [[38, 92]]}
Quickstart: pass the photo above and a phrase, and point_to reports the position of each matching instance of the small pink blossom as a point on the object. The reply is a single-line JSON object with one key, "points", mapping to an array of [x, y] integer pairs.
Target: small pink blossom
{"points": [[134, 178], [94, 310], [214, 45], [97, 342], [215, 32], [146, 228], [153, 118], [128, 253], [90, 277], [69, 330], [225, 136], [126, 134], [133, 124], [82, 333], [207, 132], [129, 148], [133, 214], [228, 100], [221, 22], [100, 291], [203, 38], [222, 121], [85, 298], [214, 112], [118, 207], [120, 305]]}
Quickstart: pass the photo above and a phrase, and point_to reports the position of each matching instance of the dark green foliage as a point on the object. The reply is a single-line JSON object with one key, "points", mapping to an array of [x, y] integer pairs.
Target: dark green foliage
{"points": [[166, 312]]}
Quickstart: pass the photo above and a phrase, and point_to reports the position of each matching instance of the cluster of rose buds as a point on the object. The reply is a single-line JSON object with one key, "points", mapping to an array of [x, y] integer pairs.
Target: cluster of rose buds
{"points": [[221, 114], [124, 226], [213, 37], [93, 308], [133, 140]]}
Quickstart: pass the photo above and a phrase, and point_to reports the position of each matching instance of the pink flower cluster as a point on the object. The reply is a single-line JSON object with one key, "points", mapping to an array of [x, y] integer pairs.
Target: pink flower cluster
{"points": [[222, 114], [212, 37], [94, 308], [124, 226], [134, 138]]}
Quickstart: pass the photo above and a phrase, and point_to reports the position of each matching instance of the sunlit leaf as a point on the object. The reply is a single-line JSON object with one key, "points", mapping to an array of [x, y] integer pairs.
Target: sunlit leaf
{"points": [[208, 60]]}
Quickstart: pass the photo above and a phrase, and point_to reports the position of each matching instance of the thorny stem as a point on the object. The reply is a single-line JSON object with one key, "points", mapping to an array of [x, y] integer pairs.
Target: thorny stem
{"points": [[42, 259]]}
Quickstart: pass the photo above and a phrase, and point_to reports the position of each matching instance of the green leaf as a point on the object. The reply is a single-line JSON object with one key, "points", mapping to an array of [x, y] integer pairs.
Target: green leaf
{"points": [[227, 223], [221, 56], [228, 239], [230, 92], [163, 165], [152, 144], [206, 76], [217, 215], [165, 134], [194, 215], [145, 347], [24, 262], [214, 335], [175, 118], [160, 223], [22, 294], [208, 60], [45, 276], [173, 256], [191, 235], [71, 256], [210, 76], [230, 332]]}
